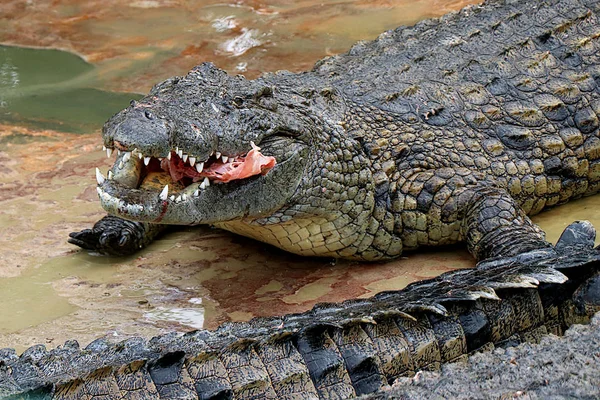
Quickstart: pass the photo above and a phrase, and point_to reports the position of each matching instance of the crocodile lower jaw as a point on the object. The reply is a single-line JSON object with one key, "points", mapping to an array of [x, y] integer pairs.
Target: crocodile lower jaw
{"points": [[139, 186]]}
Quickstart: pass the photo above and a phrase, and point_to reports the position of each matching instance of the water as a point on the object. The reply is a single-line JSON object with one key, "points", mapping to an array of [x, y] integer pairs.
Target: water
{"points": [[49, 89], [53, 105]]}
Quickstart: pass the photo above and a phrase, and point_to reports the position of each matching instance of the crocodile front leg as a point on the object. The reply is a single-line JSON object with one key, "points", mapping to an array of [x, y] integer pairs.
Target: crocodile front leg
{"points": [[116, 236], [495, 226], [450, 205]]}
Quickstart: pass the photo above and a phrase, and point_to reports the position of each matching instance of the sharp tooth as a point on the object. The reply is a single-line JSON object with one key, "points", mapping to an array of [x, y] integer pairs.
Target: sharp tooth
{"points": [[184, 158], [146, 160], [218, 155], [177, 149], [172, 197], [140, 156], [169, 156], [225, 159], [99, 177], [199, 167], [165, 193], [180, 153], [110, 174], [196, 193], [160, 158], [118, 152], [206, 182], [109, 152], [192, 161], [126, 156], [103, 148], [202, 185], [121, 165], [178, 199], [184, 197]]}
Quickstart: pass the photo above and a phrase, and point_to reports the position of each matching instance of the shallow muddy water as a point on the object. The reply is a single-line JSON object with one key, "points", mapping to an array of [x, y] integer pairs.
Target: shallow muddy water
{"points": [[50, 89], [52, 105]]}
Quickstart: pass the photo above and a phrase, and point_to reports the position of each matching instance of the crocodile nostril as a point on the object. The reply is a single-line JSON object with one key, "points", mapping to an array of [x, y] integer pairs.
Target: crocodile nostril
{"points": [[119, 146], [149, 115]]}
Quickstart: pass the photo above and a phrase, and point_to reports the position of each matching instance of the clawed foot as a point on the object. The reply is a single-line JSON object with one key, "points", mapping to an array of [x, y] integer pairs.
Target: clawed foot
{"points": [[574, 248], [110, 236]]}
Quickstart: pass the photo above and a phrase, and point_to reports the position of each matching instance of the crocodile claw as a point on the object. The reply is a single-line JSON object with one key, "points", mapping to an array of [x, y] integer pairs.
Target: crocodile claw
{"points": [[110, 236], [574, 248]]}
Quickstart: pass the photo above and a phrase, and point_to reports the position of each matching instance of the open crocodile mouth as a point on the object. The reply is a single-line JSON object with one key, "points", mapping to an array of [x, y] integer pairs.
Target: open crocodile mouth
{"points": [[137, 180]]}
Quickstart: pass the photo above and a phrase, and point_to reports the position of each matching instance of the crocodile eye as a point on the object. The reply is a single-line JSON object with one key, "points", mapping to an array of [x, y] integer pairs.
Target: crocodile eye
{"points": [[238, 101], [148, 114]]}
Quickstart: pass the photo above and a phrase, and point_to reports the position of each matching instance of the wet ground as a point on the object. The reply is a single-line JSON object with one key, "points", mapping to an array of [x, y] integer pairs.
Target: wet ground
{"points": [[52, 105]]}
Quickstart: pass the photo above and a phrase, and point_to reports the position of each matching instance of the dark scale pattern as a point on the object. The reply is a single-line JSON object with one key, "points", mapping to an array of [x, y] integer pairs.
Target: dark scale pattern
{"points": [[424, 348], [135, 382], [360, 358], [392, 347], [99, 385], [210, 376], [247, 374], [450, 337], [170, 378], [326, 365], [288, 373]]}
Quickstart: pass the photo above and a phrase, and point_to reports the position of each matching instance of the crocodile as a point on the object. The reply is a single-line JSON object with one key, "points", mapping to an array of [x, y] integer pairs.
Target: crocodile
{"points": [[452, 130], [334, 350]]}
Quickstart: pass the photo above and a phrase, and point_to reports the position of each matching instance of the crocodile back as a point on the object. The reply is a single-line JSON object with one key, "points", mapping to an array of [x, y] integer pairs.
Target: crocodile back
{"points": [[507, 89]]}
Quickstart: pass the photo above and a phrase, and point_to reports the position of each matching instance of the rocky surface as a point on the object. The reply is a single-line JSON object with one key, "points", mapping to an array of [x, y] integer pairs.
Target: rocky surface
{"points": [[557, 368]]}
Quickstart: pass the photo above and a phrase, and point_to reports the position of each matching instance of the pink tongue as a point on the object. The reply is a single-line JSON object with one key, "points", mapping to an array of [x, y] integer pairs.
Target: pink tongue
{"points": [[253, 163]]}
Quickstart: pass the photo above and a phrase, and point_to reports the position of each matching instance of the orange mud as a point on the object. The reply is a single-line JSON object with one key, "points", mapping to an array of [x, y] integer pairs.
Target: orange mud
{"points": [[156, 39]]}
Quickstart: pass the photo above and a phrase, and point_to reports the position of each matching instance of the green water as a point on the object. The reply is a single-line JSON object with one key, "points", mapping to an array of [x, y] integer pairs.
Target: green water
{"points": [[52, 89]]}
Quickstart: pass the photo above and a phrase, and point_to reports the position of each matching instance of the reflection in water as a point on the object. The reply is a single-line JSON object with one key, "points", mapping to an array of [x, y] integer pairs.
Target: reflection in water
{"points": [[192, 317], [223, 24], [9, 76], [242, 43]]}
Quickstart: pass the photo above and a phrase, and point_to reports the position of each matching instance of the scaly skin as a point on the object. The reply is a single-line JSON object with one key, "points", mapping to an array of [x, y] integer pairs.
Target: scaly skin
{"points": [[451, 130], [335, 350]]}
